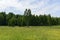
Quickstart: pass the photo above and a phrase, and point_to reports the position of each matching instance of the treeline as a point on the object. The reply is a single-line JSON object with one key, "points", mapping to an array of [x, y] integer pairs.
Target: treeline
{"points": [[27, 19]]}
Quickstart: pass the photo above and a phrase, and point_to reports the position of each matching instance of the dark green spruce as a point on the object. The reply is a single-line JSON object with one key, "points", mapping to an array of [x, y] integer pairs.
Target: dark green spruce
{"points": [[27, 19]]}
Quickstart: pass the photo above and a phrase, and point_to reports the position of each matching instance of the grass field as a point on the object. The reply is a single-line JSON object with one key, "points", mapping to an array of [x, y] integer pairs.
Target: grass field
{"points": [[30, 33]]}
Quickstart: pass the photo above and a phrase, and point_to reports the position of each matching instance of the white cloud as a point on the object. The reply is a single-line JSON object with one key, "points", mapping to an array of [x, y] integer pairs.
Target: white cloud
{"points": [[37, 6]]}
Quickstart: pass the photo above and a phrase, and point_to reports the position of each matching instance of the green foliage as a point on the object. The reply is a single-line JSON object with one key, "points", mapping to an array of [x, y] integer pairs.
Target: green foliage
{"points": [[27, 16], [12, 21], [20, 21], [28, 19], [2, 18]]}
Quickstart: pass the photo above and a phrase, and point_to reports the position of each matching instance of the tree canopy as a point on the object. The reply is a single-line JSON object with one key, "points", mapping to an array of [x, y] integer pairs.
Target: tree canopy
{"points": [[27, 19]]}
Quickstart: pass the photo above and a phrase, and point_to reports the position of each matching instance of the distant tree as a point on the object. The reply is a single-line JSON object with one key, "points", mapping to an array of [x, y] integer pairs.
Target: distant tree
{"points": [[27, 19], [54, 21], [27, 16], [4, 15], [41, 20], [58, 21], [25, 12], [36, 20], [49, 20], [45, 20], [2, 18], [9, 16], [19, 21], [33, 20], [12, 21]]}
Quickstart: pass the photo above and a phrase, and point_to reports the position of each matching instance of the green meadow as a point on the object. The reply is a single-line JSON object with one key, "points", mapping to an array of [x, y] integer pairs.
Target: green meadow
{"points": [[30, 33]]}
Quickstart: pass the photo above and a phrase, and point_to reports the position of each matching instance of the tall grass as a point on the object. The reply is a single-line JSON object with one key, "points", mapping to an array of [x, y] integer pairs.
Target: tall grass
{"points": [[30, 33]]}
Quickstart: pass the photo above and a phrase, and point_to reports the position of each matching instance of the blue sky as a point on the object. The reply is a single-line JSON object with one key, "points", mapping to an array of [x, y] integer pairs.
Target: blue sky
{"points": [[37, 6]]}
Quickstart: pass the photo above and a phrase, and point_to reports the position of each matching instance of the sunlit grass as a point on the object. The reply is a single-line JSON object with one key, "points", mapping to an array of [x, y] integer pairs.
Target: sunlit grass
{"points": [[30, 33]]}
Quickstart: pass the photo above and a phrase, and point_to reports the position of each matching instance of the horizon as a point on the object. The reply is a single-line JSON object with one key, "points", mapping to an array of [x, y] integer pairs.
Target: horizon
{"points": [[37, 6]]}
